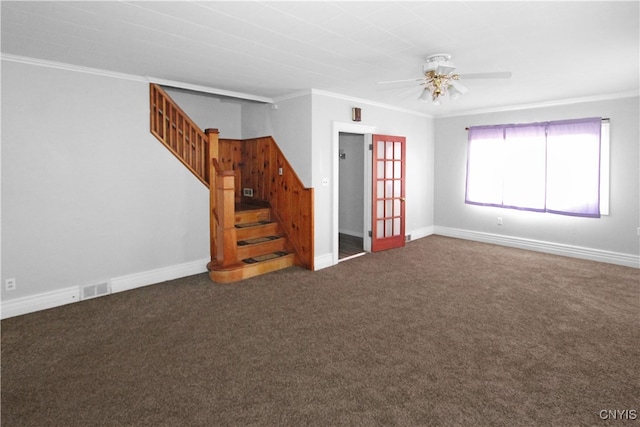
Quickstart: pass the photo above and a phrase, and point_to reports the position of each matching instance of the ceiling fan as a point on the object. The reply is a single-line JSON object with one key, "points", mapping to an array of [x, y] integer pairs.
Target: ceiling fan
{"points": [[439, 79]]}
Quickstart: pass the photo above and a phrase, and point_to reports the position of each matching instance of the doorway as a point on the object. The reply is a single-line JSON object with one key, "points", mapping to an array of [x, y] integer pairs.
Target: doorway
{"points": [[351, 198], [365, 132]]}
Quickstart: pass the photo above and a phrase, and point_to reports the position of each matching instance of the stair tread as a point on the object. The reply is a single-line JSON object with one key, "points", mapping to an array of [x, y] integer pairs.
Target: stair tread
{"points": [[252, 224], [265, 257], [255, 240]]}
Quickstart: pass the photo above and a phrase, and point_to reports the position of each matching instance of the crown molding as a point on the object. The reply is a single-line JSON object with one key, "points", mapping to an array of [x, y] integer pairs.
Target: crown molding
{"points": [[293, 95], [545, 104], [361, 101], [369, 102], [132, 77], [70, 67], [211, 90]]}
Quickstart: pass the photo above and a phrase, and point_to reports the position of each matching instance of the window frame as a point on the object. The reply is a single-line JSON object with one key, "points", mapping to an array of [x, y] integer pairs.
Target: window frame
{"points": [[500, 194]]}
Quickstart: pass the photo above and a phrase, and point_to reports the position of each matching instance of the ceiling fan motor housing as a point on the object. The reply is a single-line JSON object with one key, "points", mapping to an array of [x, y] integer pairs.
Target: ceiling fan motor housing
{"points": [[438, 63]]}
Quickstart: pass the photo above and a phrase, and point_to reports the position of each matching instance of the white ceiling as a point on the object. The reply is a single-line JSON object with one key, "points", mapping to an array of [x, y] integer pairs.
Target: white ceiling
{"points": [[556, 50]]}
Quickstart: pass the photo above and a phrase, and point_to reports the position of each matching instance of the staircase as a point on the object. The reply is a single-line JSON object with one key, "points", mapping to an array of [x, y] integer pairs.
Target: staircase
{"points": [[262, 246], [249, 235]]}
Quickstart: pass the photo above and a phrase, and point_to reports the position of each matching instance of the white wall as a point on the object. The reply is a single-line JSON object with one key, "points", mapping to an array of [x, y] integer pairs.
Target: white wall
{"points": [[88, 194], [615, 233]]}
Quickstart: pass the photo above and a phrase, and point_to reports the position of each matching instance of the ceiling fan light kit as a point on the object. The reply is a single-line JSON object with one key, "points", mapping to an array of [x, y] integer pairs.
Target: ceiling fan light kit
{"points": [[439, 79]]}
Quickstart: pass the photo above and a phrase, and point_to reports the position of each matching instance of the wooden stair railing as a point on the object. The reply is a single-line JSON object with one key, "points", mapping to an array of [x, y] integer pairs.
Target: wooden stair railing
{"points": [[180, 134]]}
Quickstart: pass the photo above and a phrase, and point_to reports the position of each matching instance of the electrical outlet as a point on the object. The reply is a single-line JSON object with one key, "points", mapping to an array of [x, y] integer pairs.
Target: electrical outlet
{"points": [[499, 221], [10, 284]]}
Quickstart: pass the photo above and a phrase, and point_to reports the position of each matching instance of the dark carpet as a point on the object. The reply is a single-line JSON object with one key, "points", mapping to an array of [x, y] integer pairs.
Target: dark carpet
{"points": [[443, 332]]}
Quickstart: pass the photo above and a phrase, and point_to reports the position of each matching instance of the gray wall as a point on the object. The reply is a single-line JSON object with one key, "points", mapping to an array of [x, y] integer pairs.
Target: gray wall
{"points": [[88, 194], [256, 121], [291, 125], [351, 199], [615, 232], [206, 110]]}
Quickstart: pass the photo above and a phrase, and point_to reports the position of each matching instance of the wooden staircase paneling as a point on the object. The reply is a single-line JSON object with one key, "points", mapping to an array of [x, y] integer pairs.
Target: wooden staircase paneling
{"points": [[260, 165]]}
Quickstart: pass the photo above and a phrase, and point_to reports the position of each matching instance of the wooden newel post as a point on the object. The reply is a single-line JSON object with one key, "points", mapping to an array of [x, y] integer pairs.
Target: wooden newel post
{"points": [[226, 247], [212, 135]]}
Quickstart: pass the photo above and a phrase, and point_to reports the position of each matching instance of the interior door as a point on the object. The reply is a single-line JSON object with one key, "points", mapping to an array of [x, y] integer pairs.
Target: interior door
{"points": [[388, 173]]}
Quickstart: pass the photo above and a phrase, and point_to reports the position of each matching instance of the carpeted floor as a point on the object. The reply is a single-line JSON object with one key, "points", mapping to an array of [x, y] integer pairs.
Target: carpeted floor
{"points": [[443, 332]]}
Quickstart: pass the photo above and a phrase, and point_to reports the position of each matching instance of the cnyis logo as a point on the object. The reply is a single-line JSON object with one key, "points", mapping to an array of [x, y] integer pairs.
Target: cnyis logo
{"points": [[618, 414]]}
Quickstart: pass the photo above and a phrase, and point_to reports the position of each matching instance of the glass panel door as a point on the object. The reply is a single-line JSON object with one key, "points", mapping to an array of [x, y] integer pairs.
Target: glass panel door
{"points": [[388, 192]]}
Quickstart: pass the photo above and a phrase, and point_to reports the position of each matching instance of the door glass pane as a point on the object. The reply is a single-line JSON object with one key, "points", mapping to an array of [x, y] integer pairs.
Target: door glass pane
{"points": [[396, 226], [380, 154], [397, 192], [389, 154], [388, 227], [380, 228], [389, 172], [380, 172], [389, 189], [380, 192], [379, 209], [397, 170], [388, 208], [398, 151], [396, 207]]}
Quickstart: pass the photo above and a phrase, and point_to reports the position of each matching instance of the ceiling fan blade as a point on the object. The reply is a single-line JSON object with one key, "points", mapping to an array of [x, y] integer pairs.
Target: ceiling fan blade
{"points": [[401, 81], [498, 75], [459, 87]]}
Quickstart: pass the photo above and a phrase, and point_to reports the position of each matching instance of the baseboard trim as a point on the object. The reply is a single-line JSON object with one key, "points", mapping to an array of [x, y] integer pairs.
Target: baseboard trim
{"points": [[422, 232], [60, 297], [610, 257], [322, 261], [43, 301], [151, 277]]}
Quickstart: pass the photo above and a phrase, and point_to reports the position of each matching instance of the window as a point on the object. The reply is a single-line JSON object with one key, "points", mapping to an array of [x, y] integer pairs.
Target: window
{"points": [[558, 167]]}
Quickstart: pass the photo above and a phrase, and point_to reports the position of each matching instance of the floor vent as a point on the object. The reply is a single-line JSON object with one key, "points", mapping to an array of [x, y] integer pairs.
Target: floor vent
{"points": [[95, 290]]}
